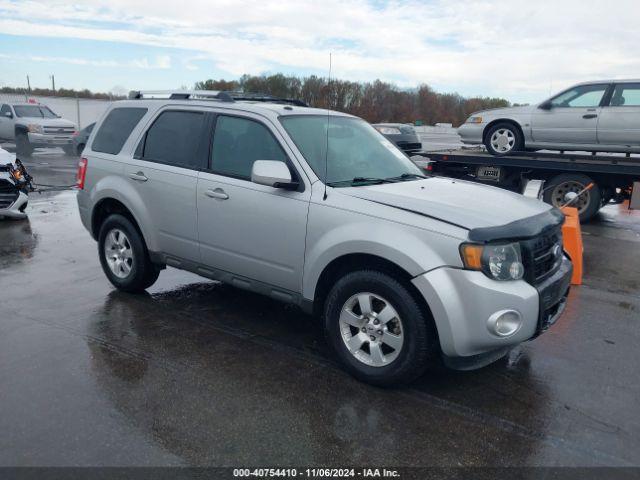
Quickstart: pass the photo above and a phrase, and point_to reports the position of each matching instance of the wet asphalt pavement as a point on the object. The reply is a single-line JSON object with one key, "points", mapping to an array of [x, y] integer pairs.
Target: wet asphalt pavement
{"points": [[196, 373]]}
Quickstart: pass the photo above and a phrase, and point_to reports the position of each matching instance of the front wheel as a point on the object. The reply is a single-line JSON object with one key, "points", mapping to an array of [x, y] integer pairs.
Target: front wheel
{"points": [[124, 256], [377, 329], [503, 138], [23, 146]]}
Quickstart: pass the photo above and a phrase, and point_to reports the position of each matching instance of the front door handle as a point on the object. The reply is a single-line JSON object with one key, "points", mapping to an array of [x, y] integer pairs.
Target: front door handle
{"points": [[139, 176], [217, 193], [589, 115]]}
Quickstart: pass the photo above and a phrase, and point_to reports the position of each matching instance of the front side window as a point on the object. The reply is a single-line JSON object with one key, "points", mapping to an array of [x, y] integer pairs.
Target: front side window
{"points": [[626, 95], [580, 96], [4, 110], [346, 148], [116, 128], [174, 138], [238, 142], [34, 111]]}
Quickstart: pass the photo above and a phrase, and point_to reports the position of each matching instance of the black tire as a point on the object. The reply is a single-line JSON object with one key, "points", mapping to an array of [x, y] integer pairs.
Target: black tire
{"points": [[69, 150], [143, 273], [23, 147], [80, 149], [518, 140], [420, 338], [556, 188]]}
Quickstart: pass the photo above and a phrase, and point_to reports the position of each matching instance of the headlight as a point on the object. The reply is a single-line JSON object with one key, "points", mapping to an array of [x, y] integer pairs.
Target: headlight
{"points": [[34, 128], [388, 130], [474, 120], [500, 262]]}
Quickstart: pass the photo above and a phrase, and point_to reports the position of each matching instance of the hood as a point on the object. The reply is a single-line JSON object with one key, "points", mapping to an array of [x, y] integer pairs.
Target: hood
{"points": [[6, 157], [465, 204], [49, 122]]}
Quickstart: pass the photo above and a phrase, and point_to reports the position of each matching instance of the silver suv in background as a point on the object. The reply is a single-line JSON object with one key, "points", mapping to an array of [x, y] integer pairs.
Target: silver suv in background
{"points": [[601, 116], [317, 209], [31, 125]]}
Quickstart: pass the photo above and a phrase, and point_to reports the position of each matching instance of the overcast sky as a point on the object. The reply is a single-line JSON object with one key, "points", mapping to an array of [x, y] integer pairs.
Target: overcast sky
{"points": [[518, 49]]}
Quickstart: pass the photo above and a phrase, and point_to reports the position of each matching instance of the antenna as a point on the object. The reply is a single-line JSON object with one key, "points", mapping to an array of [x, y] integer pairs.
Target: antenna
{"points": [[326, 150]]}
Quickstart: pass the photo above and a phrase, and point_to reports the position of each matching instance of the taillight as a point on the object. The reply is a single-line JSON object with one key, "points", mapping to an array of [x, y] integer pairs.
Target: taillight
{"points": [[82, 173]]}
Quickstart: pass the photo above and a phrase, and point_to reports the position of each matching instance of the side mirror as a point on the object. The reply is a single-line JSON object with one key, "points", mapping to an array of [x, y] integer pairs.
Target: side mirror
{"points": [[546, 105], [272, 173], [8, 114]]}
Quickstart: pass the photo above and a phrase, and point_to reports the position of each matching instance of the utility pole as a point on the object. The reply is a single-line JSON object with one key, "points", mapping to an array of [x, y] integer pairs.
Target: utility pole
{"points": [[28, 85], [53, 84]]}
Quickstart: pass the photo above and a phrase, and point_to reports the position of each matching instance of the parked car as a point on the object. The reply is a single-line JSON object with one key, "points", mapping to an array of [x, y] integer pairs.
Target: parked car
{"points": [[31, 125], [401, 135], [316, 209], [602, 116], [80, 138]]}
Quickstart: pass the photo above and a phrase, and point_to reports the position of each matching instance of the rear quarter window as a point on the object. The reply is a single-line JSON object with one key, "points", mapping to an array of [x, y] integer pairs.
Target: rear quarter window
{"points": [[116, 128]]}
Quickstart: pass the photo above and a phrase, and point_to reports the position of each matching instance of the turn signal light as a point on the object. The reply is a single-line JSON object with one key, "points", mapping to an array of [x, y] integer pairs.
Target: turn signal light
{"points": [[82, 173], [471, 256]]}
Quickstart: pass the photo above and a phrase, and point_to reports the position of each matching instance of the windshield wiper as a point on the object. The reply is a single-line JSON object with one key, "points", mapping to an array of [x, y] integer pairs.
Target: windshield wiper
{"points": [[405, 176], [362, 181]]}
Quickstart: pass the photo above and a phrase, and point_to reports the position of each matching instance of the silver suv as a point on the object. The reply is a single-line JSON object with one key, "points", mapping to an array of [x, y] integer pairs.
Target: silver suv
{"points": [[318, 209]]}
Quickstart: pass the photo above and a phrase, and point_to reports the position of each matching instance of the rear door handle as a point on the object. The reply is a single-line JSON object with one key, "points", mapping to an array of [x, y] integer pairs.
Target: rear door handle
{"points": [[589, 115], [217, 193], [139, 176]]}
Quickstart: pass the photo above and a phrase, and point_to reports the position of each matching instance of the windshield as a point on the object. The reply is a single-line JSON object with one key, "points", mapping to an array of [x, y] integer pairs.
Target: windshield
{"points": [[355, 150], [34, 111]]}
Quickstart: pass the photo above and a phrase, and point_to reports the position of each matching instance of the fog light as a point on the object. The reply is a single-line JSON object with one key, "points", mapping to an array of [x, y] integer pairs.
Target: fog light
{"points": [[504, 323]]}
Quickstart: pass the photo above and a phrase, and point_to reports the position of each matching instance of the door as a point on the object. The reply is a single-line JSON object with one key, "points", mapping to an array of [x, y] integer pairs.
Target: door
{"points": [[6, 123], [165, 173], [572, 116], [246, 229], [620, 120]]}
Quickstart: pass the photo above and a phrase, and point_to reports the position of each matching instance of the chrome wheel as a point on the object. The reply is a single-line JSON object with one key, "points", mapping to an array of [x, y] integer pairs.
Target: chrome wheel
{"points": [[561, 194], [118, 253], [371, 329], [503, 140]]}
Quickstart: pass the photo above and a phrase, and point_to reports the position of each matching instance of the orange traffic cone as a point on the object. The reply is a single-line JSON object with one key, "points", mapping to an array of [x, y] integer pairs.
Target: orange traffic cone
{"points": [[572, 240]]}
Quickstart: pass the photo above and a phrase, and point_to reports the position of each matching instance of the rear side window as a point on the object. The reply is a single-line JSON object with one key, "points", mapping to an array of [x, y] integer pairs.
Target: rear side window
{"points": [[174, 139], [116, 128], [626, 95], [238, 142]]}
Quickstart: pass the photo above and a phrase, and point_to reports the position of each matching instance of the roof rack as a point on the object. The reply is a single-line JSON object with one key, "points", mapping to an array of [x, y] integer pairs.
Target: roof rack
{"points": [[219, 95]]}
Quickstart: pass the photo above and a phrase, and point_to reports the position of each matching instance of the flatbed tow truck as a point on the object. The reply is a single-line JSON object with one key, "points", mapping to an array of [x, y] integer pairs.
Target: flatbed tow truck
{"points": [[589, 181]]}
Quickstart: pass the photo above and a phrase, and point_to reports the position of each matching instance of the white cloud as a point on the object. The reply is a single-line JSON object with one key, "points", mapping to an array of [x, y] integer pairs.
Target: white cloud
{"points": [[515, 49], [160, 62]]}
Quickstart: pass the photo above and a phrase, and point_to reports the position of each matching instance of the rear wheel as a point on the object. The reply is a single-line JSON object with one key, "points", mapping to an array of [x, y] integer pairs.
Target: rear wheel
{"points": [[23, 147], [503, 138], [124, 256], [561, 188], [377, 328]]}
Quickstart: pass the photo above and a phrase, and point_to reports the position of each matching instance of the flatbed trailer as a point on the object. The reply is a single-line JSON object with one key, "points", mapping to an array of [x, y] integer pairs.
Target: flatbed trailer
{"points": [[613, 175]]}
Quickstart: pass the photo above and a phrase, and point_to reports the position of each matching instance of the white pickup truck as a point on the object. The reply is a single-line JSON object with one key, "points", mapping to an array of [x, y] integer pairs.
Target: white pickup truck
{"points": [[32, 125]]}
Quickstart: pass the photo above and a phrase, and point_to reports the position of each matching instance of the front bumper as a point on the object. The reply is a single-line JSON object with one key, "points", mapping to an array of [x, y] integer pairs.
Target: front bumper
{"points": [[42, 140], [462, 301], [16, 209], [471, 133]]}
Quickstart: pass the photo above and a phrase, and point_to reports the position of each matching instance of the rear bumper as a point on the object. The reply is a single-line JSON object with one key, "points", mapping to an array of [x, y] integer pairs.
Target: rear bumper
{"points": [[471, 133], [462, 302], [41, 140]]}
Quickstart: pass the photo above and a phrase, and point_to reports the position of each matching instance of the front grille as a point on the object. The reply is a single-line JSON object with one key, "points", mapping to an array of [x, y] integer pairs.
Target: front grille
{"points": [[58, 130], [8, 194], [542, 255], [410, 146]]}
